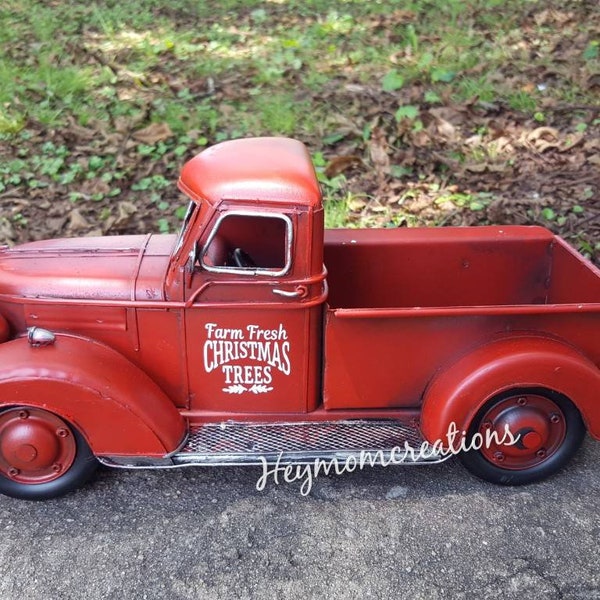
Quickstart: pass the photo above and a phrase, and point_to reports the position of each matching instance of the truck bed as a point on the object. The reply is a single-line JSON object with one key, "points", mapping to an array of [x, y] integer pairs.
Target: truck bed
{"points": [[404, 303], [453, 267]]}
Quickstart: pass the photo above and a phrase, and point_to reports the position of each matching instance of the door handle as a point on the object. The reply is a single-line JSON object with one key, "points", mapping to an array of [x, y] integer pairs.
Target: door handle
{"points": [[299, 292]]}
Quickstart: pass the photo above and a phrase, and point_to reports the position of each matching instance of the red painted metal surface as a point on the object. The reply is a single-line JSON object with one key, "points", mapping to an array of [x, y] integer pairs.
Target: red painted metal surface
{"points": [[255, 170], [35, 446], [118, 408], [521, 360], [255, 313], [536, 420]]}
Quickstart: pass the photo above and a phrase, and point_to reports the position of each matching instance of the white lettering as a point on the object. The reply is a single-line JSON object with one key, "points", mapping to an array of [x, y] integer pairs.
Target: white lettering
{"points": [[226, 347], [439, 450]]}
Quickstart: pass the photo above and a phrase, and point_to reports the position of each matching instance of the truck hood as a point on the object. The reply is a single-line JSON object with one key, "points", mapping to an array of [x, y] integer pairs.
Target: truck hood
{"points": [[94, 268]]}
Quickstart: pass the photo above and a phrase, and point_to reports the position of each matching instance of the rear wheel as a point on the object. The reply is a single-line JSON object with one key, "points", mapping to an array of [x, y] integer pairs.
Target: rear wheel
{"points": [[547, 427], [41, 455]]}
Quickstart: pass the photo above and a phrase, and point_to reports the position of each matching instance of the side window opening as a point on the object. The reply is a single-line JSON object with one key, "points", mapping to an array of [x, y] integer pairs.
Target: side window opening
{"points": [[249, 243]]}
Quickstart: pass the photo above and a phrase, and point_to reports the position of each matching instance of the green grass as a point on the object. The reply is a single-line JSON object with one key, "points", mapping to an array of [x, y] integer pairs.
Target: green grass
{"points": [[215, 70], [278, 47]]}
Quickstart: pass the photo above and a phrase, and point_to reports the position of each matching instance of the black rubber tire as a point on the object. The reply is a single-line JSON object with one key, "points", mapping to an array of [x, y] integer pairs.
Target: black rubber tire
{"points": [[83, 468], [479, 465]]}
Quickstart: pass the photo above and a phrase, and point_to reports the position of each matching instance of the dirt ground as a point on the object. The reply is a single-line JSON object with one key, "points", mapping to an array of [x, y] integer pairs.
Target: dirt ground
{"points": [[445, 162]]}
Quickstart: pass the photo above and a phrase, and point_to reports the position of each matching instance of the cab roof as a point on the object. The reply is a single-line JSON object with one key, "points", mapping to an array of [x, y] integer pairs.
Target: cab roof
{"points": [[268, 169]]}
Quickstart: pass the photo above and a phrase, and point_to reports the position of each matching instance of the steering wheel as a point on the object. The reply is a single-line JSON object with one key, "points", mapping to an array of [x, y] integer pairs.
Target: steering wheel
{"points": [[242, 259]]}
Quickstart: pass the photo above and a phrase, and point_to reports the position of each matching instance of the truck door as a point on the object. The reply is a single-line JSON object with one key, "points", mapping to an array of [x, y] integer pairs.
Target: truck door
{"points": [[253, 325]]}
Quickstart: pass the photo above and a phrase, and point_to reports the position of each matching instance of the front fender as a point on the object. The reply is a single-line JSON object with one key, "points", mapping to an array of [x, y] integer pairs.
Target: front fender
{"points": [[456, 394], [115, 405]]}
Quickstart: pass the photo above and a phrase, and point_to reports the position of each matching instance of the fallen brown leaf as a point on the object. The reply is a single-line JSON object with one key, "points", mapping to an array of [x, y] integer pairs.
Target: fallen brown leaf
{"points": [[153, 133], [356, 204], [420, 139], [125, 211], [548, 134], [339, 164], [77, 221], [378, 151]]}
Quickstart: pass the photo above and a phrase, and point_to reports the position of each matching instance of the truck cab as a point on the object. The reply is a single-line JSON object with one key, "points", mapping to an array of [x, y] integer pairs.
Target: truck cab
{"points": [[249, 268]]}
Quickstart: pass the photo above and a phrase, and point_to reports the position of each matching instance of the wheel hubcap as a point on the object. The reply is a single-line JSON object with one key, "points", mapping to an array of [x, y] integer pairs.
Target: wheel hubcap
{"points": [[536, 422], [35, 446]]}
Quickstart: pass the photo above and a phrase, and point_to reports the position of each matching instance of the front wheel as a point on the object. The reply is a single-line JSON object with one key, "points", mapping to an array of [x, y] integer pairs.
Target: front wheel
{"points": [[546, 428], [41, 455]]}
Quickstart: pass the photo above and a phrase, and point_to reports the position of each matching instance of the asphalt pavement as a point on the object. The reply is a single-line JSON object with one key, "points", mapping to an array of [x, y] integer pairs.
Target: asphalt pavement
{"points": [[397, 532]]}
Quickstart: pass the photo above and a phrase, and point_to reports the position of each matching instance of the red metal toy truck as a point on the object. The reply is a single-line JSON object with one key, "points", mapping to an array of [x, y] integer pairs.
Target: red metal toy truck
{"points": [[257, 336]]}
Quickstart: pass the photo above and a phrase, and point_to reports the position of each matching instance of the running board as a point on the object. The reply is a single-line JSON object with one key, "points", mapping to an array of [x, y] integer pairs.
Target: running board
{"points": [[373, 442]]}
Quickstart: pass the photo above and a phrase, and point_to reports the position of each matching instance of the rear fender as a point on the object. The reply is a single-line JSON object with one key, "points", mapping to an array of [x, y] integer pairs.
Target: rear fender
{"points": [[456, 394], [115, 405]]}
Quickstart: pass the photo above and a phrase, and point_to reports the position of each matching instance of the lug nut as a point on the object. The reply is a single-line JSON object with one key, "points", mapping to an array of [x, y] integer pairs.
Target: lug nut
{"points": [[62, 432], [499, 456], [13, 472], [522, 401], [56, 467], [554, 418], [540, 453], [23, 414], [487, 424]]}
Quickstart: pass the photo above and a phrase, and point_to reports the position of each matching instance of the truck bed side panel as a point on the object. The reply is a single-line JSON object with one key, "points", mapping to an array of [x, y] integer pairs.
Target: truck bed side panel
{"points": [[381, 361]]}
